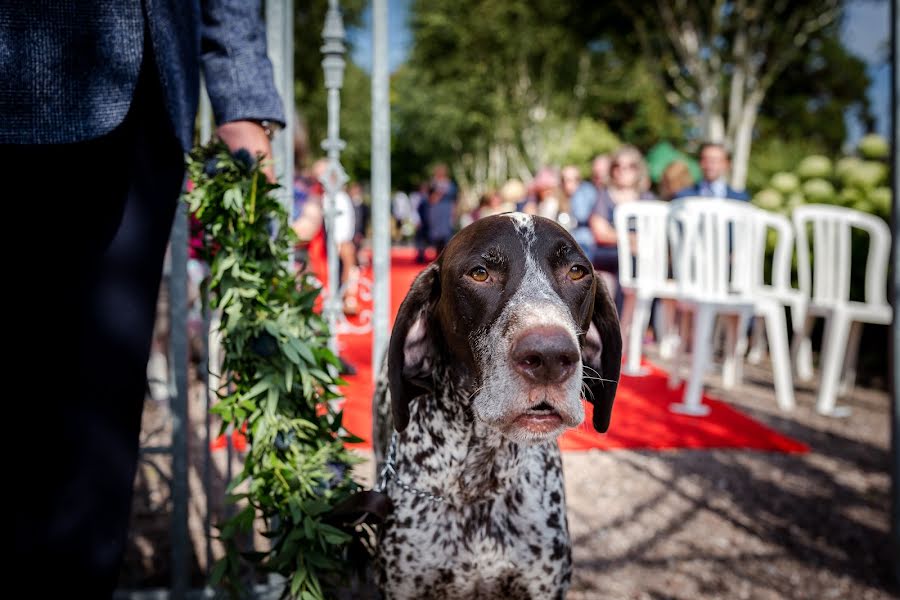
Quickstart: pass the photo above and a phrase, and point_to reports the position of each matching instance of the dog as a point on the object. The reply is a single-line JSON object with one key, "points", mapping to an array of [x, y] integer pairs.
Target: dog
{"points": [[490, 353]]}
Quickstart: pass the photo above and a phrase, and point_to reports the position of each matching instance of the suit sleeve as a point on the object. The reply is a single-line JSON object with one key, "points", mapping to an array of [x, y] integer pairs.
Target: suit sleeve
{"points": [[238, 74]]}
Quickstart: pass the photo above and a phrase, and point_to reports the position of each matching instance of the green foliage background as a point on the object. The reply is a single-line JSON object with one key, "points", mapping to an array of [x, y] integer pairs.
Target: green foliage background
{"points": [[524, 79]]}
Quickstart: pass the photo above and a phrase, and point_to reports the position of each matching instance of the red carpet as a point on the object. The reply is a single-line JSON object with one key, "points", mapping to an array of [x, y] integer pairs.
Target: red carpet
{"points": [[641, 416]]}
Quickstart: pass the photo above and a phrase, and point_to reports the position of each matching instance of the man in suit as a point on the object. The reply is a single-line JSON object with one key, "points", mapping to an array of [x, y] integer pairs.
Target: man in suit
{"points": [[715, 163], [98, 101]]}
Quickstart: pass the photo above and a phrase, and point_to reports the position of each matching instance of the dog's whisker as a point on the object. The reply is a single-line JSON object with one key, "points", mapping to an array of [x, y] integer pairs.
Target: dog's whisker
{"points": [[589, 378], [587, 392], [587, 367], [473, 394]]}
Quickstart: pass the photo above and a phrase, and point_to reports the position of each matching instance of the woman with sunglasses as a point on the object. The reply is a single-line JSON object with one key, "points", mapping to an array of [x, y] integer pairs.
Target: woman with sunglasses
{"points": [[629, 181]]}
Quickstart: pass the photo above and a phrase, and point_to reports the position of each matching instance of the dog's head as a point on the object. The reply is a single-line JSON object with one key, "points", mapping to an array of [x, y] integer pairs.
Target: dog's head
{"points": [[512, 307]]}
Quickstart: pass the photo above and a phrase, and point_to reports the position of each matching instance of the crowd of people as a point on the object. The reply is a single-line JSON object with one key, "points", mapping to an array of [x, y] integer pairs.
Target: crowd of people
{"points": [[582, 204]]}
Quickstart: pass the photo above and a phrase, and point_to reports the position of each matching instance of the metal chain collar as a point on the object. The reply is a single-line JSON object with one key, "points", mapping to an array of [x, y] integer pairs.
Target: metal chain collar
{"points": [[388, 471]]}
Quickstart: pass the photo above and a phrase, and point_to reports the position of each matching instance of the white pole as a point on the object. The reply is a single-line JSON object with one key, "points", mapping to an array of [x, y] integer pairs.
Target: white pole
{"points": [[334, 178], [280, 43], [381, 185]]}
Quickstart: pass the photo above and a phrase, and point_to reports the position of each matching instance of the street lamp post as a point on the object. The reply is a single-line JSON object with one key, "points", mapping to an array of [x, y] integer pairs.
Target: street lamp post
{"points": [[334, 178]]}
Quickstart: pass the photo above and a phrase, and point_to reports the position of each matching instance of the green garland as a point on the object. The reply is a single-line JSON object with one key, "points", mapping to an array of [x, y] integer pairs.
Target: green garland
{"points": [[278, 377]]}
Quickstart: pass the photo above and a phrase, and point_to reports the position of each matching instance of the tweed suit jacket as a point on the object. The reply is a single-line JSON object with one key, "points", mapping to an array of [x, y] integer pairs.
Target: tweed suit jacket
{"points": [[68, 68]]}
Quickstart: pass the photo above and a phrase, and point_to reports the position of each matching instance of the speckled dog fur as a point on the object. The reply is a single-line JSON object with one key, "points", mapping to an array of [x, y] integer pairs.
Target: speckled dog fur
{"points": [[452, 390]]}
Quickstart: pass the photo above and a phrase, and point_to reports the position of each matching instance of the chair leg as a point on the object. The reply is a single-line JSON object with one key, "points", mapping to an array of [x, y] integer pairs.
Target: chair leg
{"points": [[668, 338], [848, 376], [679, 350], [691, 403], [834, 348], [640, 317], [758, 344], [626, 320], [735, 348], [801, 348], [776, 326], [730, 359]]}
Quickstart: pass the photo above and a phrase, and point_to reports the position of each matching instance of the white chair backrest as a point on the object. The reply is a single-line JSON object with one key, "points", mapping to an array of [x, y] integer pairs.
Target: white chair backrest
{"points": [[645, 221], [764, 221], [831, 248], [715, 240]]}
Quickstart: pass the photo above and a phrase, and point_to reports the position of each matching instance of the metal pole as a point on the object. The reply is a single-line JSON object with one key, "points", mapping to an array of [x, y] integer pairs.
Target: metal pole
{"points": [[334, 178], [206, 121], [381, 185], [178, 353], [895, 347], [280, 44]]}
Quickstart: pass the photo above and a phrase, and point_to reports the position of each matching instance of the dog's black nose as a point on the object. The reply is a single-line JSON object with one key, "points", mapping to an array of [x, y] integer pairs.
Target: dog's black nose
{"points": [[545, 355]]}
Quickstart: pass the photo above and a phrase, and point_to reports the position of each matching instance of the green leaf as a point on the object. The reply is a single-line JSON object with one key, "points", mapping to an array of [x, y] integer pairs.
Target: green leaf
{"points": [[304, 351], [257, 389], [295, 509], [233, 199], [227, 262], [315, 507], [297, 580], [288, 378], [349, 438], [218, 571], [291, 353], [272, 401], [320, 375], [306, 380], [332, 534]]}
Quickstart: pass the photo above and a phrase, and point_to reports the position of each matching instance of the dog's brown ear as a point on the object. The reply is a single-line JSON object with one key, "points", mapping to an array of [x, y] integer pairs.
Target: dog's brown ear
{"points": [[411, 354], [602, 353]]}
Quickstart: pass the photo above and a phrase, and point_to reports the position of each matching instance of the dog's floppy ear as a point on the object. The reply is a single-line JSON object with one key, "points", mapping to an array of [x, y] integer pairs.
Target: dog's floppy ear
{"points": [[602, 352], [411, 354]]}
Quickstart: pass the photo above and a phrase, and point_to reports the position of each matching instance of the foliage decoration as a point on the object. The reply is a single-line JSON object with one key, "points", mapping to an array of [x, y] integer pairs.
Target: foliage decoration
{"points": [[279, 380]]}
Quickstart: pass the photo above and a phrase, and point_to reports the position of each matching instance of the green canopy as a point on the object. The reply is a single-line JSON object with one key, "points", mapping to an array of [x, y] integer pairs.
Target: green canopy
{"points": [[663, 153]]}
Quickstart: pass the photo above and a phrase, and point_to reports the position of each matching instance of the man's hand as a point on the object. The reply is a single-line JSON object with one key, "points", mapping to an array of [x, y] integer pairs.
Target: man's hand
{"points": [[252, 137]]}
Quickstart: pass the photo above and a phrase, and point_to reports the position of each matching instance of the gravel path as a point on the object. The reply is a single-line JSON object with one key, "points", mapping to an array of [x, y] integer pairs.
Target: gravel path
{"points": [[683, 525]]}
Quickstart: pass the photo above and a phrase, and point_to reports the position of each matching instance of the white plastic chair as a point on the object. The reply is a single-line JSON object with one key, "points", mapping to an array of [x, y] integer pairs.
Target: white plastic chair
{"points": [[643, 245], [827, 284], [770, 300], [708, 233]]}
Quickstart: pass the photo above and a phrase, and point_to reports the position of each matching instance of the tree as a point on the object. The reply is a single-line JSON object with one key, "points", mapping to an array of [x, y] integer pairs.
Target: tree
{"points": [[720, 58], [498, 89], [825, 82]]}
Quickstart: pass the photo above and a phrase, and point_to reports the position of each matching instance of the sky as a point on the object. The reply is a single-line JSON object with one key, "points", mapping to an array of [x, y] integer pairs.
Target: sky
{"points": [[399, 37], [865, 32]]}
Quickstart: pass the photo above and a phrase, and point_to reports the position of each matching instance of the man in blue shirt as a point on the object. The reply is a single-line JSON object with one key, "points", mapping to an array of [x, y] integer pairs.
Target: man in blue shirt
{"points": [[715, 163]]}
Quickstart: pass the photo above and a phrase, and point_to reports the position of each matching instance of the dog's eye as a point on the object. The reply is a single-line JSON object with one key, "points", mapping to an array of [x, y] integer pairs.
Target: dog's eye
{"points": [[479, 274], [577, 272]]}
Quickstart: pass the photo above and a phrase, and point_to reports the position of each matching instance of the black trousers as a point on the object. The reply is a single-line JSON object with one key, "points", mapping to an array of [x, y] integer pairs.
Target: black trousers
{"points": [[83, 300]]}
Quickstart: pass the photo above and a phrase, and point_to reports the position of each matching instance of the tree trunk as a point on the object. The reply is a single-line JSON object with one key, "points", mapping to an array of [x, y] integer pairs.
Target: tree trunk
{"points": [[743, 139], [712, 122], [716, 127], [738, 81]]}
